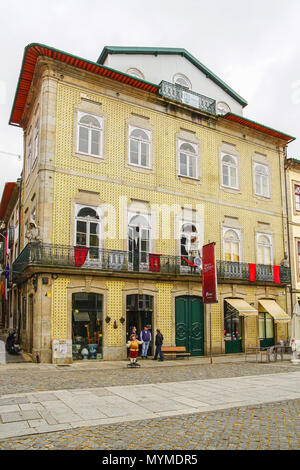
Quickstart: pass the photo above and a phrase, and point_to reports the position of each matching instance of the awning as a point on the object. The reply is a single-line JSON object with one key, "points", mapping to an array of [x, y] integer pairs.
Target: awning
{"points": [[274, 310], [244, 309]]}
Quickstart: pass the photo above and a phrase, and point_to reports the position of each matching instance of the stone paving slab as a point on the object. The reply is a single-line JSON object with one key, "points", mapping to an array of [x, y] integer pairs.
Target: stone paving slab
{"points": [[43, 412]]}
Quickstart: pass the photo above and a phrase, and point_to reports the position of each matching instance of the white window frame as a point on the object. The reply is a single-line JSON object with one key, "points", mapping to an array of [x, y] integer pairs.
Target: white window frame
{"points": [[98, 210], [183, 77], [297, 203], [236, 166], [28, 158], [238, 233], [149, 142], [270, 238], [189, 155], [35, 141], [80, 114], [257, 164], [147, 227]]}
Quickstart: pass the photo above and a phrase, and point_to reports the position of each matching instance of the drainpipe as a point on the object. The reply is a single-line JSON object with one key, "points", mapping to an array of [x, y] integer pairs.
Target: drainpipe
{"points": [[20, 180], [286, 181]]}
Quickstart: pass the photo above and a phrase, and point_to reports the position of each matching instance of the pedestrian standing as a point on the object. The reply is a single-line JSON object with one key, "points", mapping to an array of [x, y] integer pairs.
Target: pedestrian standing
{"points": [[146, 337], [159, 339]]}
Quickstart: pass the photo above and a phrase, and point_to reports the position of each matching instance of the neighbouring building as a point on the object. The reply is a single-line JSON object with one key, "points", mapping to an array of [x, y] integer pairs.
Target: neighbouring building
{"points": [[131, 164], [9, 235], [292, 167]]}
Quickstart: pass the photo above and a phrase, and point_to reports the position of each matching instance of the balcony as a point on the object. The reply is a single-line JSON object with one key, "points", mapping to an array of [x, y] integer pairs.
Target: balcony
{"points": [[64, 258], [188, 97]]}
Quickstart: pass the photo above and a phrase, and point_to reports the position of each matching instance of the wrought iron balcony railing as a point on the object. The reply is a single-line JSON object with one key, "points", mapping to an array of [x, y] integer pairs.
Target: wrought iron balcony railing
{"points": [[188, 97], [61, 256]]}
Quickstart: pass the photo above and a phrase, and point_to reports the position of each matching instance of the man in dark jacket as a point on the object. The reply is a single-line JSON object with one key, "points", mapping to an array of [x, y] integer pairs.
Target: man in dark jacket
{"points": [[159, 339]]}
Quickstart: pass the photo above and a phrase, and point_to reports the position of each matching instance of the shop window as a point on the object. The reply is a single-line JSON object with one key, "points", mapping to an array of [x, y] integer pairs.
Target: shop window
{"points": [[87, 326]]}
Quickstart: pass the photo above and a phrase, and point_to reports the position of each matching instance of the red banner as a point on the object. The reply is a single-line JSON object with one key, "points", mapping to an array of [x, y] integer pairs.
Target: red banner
{"points": [[80, 253], [276, 274], [209, 274], [252, 272]]}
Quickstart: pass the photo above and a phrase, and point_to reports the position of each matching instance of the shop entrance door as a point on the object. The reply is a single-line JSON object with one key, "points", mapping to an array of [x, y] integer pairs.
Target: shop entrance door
{"points": [[87, 326], [266, 330], [189, 324], [233, 330], [139, 313]]}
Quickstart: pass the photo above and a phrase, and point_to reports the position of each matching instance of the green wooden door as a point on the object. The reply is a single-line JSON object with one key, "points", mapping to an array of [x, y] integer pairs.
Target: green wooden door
{"points": [[189, 324]]}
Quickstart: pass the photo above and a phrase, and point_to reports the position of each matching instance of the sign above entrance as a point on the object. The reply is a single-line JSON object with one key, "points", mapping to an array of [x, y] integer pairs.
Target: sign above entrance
{"points": [[209, 274]]}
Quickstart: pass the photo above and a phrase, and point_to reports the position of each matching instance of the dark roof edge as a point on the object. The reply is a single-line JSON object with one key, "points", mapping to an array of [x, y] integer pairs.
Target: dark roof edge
{"points": [[166, 50]]}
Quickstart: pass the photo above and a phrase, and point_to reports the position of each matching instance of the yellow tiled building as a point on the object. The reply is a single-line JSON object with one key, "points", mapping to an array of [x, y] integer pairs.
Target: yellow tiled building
{"points": [[142, 176]]}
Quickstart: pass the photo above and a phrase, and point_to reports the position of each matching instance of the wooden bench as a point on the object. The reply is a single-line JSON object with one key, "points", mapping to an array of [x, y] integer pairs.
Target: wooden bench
{"points": [[175, 351]]}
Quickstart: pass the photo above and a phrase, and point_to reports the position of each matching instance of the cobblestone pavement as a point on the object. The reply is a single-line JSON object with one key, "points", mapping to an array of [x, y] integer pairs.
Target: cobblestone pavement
{"points": [[264, 427], [30, 378]]}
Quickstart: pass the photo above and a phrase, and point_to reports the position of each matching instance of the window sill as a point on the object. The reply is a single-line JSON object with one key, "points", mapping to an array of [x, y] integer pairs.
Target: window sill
{"points": [[230, 190], [139, 169], [262, 198], [89, 158], [189, 179]]}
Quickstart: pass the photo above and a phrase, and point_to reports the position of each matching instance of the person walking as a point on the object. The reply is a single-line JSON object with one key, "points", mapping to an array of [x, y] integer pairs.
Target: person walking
{"points": [[159, 339], [146, 337]]}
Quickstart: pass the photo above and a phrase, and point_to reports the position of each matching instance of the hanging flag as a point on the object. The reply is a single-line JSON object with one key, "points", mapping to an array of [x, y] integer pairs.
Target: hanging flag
{"points": [[209, 274], [252, 272], [276, 274], [80, 253]]}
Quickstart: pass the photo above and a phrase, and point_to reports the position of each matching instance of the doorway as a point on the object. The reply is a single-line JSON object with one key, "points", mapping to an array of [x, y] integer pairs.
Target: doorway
{"points": [[139, 313], [233, 330], [189, 324], [266, 330]]}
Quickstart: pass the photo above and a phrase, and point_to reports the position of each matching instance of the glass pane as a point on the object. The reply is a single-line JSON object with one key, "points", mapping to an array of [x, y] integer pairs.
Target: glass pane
{"points": [[94, 228], [144, 154], [260, 254], [83, 139], [94, 240], [233, 179], [225, 175], [94, 253], [90, 121], [228, 251], [134, 152], [183, 164], [236, 252], [257, 184], [269, 327], [228, 159], [261, 326], [81, 239], [95, 142], [265, 185], [139, 134], [187, 148], [87, 212], [192, 167], [267, 255], [81, 226]]}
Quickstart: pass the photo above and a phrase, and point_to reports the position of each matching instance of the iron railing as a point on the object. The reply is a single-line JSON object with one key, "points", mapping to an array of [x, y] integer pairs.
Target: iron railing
{"points": [[61, 256], [188, 97]]}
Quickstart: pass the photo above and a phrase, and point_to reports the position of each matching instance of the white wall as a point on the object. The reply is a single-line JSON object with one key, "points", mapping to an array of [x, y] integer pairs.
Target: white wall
{"points": [[164, 67]]}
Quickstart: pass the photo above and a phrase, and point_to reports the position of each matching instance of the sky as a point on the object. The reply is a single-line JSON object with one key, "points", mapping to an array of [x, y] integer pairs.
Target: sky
{"points": [[253, 46]]}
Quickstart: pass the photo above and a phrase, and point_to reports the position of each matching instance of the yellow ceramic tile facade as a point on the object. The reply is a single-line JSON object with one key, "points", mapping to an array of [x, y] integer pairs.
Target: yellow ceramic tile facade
{"points": [[164, 316], [59, 309]]}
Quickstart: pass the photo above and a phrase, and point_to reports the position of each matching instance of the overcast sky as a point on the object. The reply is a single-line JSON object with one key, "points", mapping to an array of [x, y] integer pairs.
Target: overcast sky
{"points": [[253, 46]]}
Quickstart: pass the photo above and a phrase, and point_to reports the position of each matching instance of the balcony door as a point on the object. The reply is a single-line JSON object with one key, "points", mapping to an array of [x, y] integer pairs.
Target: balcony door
{"points": [[138, 243], [88, 232]]}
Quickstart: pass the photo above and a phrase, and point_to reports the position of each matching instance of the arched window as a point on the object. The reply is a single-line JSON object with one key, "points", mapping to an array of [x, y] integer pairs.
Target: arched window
{"points": [[232, 245], [229, 171], [88, 230], [135, 73], [138, 240], [90, 129], [189, 240], [223, 108], [139, 147], [261, 177], [188, 159], [264, 249], [182, 81]]}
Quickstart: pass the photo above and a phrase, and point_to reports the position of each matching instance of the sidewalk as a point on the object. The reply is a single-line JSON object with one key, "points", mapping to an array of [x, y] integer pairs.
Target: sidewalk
{"points": [[25, 362], [43, 412]]}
